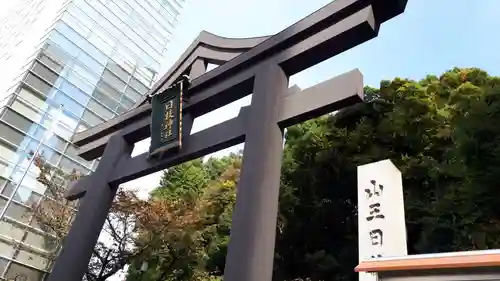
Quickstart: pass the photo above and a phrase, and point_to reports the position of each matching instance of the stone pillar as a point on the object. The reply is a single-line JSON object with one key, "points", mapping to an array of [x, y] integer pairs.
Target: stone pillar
{"points": [[251, 247], [79, 244], [381, 214]]}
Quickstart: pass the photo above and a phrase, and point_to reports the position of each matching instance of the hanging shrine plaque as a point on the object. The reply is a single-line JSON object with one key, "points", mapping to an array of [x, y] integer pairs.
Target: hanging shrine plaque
{"points": [[166, 123]]}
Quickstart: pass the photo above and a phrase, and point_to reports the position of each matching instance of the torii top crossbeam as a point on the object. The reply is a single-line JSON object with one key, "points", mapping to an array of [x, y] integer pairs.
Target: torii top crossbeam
{"points": [[325, 33]]}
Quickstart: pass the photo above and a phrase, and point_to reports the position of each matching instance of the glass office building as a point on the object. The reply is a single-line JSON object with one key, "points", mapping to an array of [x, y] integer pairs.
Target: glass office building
{"points": [[94, 57]]}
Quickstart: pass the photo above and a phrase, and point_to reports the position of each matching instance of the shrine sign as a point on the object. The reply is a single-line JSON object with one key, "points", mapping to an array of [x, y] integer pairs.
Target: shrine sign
{"points": [[166, 119]]}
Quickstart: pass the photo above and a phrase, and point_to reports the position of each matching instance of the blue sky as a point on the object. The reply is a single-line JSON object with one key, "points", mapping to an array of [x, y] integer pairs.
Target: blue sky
{"points": [[431, 37]]}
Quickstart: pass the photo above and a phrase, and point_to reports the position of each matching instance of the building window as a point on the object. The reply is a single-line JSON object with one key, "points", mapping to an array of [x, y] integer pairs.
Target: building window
{"points": [[104, 34], [124, 57], [3, 203], [31, 181], [117, 11], [118, 70], [33, 98], [56, 142], [52, 64], [75, 24], [100, 110], [113, 80], [90, 62], [121, 109], [11, 135], [5, 250], [26, 111], [81, 42], [3, 182], [39, 132], [104, 99], [3, 263], [49, 155], [84, 72], [144, 76], [91, 118], [37, 84], [127, 103], [64, 131], [64, 44], [82, 17], [69, 120], [44, 242], [18, 121], [27, 196], [29, 274], [69, 103], [108, 90], [17, 175], [18, 212], [133, 94], [11, 230], [75, 93], [81, 127], [68, 166], [7, 153], [73, 153], [80, 83], [100, 44], [57, 54], [108, 27], [44, 72], [7, 191], [30, 258], [41, 226]]}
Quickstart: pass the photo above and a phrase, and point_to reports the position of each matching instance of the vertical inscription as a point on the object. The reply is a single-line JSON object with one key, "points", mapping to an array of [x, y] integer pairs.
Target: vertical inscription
{"points": [[375, 212], [381, 219], [168, 121], [376, 234], [377, 237], [374, 189]]}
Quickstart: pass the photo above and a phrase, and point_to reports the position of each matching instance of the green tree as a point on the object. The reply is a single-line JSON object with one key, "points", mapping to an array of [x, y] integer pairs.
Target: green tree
{"points": [[128, 215], [188, 179], [442, 134], [193, 246], [185, 180]]}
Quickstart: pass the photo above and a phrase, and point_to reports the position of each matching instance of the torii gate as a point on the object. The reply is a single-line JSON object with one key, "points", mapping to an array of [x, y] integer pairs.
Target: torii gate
{"points": [[260, 66]]}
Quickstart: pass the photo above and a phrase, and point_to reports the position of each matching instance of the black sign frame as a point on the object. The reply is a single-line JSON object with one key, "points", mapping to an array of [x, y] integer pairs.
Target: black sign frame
{"points": [[166, 121]]}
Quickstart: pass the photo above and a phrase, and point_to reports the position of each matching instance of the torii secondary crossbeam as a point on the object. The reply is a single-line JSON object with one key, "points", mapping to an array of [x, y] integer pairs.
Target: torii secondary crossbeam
{"points": [[260, 66]]}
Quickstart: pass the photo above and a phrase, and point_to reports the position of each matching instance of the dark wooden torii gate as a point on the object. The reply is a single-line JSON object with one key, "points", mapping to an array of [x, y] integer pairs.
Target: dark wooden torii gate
{"points": [[257, 66]]}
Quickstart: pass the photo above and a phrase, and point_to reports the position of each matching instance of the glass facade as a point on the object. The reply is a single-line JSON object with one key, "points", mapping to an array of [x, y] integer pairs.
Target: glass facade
{"points": [[94, 57]]}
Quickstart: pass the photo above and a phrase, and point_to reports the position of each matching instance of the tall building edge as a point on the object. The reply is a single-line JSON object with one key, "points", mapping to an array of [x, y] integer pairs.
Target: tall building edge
{"points": [[96, 58]]}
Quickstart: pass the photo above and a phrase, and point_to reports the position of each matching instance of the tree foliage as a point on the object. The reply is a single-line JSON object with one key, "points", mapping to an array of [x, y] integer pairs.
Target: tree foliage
{"points": [[193, 245], [123, 238], [442, 134]]}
